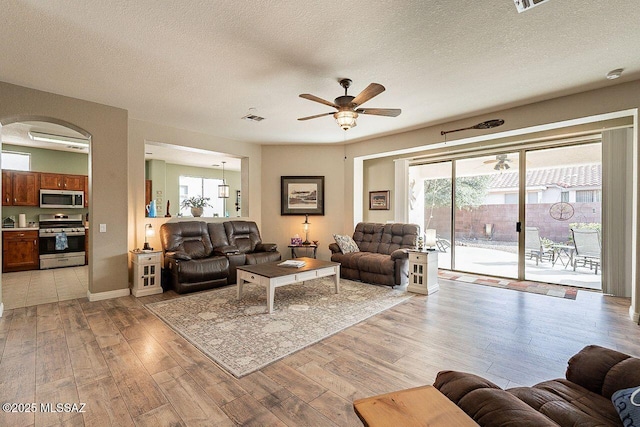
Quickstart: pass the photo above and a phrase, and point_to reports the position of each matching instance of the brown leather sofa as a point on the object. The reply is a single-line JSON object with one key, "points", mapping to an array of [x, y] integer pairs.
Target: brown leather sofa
{"points": [[383, 258], [582, 399], [200, 256]]}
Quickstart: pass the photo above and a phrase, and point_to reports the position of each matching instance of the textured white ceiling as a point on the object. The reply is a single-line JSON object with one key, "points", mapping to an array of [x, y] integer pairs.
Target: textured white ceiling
{"points": [[200, 65]]}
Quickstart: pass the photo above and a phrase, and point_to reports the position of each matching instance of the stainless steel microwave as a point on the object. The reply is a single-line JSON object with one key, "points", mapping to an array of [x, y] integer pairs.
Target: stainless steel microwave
{"points": [[61, 199]]}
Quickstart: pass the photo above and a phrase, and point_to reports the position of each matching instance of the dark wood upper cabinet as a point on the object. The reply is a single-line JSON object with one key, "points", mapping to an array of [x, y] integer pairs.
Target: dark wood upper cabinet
{"points": [[26, 189]]}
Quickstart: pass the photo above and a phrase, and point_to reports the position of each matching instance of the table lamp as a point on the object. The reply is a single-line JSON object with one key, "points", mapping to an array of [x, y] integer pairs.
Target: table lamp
{"points": [[148, 232], [305, 226], [430, 239]]}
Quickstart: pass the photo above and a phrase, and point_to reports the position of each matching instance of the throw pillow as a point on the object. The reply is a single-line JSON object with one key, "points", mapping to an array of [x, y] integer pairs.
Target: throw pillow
{"points": [[346, 244], [627, 403]]}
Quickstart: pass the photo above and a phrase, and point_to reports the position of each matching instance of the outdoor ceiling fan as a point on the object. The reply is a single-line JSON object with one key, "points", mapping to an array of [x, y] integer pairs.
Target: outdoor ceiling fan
{"points": [[501, 162], [347, 105]]}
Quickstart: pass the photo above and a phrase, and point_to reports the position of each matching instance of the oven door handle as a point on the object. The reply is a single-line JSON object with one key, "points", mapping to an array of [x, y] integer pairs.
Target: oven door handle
{"points": [[71, 234]]}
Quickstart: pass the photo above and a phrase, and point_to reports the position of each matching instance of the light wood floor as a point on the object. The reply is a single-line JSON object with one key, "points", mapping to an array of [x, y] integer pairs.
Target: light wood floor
{"points": [[131, 369]]}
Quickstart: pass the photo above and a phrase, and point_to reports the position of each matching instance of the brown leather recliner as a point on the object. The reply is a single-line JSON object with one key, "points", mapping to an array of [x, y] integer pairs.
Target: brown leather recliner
{"points": [[200, 256], [582, 399], [189, 262], [241, 243], [383, 258]]}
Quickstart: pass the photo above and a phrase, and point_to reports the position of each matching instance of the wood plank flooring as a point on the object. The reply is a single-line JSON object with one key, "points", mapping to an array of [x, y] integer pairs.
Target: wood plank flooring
{"points": [[132, 370]]}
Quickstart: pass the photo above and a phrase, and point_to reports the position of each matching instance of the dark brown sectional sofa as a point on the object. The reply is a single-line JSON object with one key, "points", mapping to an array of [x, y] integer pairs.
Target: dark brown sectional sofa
{"points": [[382, 258], [200, 255], [582, 399]]}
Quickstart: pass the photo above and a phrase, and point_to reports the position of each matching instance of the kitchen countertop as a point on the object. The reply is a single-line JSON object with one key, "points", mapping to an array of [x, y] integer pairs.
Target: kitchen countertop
{"points": [[20, 229]]}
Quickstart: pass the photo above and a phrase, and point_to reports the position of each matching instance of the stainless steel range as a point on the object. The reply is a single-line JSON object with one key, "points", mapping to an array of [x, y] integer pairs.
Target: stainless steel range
{"points": [[62, 238]]}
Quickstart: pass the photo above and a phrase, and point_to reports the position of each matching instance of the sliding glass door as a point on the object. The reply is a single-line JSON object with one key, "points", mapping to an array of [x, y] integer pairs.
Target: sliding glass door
{"points": [[564, 215], [485, 195], [486, 200], [477, 204]]}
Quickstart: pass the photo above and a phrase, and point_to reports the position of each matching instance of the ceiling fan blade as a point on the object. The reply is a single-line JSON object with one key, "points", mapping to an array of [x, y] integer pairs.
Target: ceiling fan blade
{"points": [[316, 116], [389, 112], [369, 92], [316, 99]]}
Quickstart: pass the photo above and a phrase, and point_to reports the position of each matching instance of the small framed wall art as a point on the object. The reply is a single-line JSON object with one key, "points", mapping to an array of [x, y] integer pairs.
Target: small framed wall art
{"points": [[302, 195], [379, 200]]}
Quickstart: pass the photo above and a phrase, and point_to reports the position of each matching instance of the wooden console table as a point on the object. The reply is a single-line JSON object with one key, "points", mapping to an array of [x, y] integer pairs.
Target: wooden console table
{"points": [[420, 406]]}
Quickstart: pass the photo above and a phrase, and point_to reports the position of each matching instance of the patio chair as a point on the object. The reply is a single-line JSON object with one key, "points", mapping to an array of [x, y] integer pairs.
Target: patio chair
{"points": [[588, 248], [533, 246], [442, 244]]}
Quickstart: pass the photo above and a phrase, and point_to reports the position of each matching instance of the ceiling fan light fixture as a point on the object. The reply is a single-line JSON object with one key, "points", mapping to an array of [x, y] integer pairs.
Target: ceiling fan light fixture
{"points": [[500, 166], [346, 119]]}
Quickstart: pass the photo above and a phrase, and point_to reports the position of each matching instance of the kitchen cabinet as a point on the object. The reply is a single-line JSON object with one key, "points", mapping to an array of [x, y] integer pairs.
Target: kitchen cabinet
{"points": [[7, 192], [20, 188], [19, 250], [50, 181], [73, 182], [56, 181], [25, 188]]}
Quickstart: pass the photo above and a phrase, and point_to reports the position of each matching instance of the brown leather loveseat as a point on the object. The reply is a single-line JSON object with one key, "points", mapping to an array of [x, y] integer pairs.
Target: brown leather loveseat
{"points": [[382, 256], [582, 399], [199, 256]]}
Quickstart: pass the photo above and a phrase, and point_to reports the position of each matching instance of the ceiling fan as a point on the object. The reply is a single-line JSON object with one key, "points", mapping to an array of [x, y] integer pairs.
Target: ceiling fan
{"points": [[501, 162], [347, 105]]}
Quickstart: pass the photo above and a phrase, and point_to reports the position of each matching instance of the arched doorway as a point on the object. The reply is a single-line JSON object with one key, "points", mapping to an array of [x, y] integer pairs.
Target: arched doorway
{"points": [[55, 151]]}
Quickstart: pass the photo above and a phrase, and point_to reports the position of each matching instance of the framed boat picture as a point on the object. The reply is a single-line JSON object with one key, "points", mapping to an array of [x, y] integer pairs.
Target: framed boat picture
{"points": [[302, 195]]}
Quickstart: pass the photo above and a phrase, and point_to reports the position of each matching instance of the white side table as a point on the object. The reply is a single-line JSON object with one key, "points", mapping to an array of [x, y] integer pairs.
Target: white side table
{"points": [[146, 273], [423, 272]]}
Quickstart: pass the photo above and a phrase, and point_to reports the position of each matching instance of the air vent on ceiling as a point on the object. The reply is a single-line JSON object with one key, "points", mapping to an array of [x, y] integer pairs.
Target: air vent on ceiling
{"points": [[253, 118], [523, 5]]}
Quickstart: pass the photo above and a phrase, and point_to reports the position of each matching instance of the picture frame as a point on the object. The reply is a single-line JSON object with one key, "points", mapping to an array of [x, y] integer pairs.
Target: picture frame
{"points": [[379, 200], [302, 195]]}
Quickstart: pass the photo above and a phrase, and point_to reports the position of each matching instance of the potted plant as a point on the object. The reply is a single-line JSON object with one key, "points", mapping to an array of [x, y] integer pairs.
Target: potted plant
{"points": [[196, 203]]}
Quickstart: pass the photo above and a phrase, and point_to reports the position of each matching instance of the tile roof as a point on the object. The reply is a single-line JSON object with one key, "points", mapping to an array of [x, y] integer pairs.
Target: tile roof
{"points": [[564, 177]]}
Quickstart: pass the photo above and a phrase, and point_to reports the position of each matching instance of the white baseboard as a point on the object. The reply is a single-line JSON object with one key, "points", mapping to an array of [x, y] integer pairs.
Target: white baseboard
{"points": [[108, 295], [634, 316], [1, 308]]}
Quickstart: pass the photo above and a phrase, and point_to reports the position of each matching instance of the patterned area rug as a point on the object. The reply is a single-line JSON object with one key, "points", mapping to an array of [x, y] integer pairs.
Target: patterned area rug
{"points": [[241, 337], [524, 286]]}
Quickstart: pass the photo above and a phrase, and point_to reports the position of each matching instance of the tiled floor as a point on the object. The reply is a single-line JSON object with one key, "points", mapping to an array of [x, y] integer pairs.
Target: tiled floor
{"points": [[549, 289], [26, 288]]}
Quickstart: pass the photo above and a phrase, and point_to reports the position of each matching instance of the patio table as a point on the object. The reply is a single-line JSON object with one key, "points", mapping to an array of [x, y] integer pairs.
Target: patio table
{"points": [[559, 250]]}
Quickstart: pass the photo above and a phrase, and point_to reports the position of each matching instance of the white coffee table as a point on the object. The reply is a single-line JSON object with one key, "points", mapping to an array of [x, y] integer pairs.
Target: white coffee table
{"points": [[271, 275]]}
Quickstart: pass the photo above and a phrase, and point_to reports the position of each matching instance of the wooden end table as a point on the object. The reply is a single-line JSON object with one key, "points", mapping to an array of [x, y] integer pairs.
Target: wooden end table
{"points": [[420, 406], [295, 248]]}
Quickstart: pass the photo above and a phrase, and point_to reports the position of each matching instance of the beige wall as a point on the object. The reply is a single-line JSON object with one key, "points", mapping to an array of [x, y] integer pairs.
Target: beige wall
{"points": [[378, 175], [108, 171], [327, 161]]}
